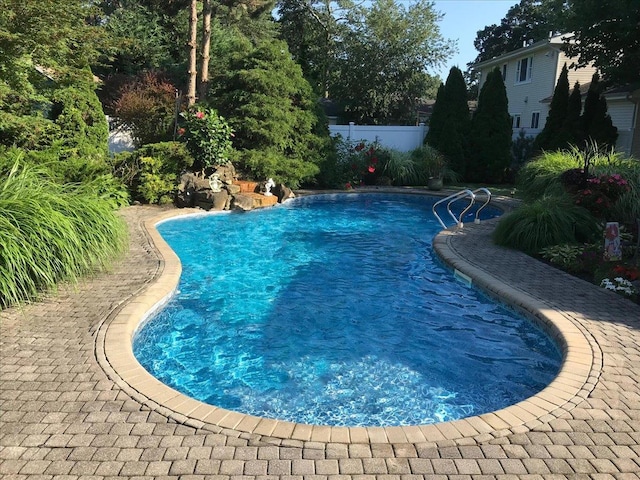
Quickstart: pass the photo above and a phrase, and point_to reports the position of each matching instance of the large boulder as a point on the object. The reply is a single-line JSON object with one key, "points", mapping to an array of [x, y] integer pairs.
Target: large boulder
{"points": [[226, 173], [282, 192], [242, 202]]}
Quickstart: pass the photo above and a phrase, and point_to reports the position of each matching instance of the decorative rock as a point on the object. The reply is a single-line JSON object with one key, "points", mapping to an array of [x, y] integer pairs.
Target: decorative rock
{"points": [[226, 173], [283, 192], [242, 202], [220, 200], [232, 189]]}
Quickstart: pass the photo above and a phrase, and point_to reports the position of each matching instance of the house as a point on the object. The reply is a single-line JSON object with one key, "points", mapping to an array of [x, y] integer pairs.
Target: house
{"points": [[530, 75]]}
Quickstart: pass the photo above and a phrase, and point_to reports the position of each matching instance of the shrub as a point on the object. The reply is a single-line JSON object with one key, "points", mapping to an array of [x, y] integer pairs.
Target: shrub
{"points": [[543, 223], [541, 176], [51, 233], [152, 172], [146, 105], [207, 136]]}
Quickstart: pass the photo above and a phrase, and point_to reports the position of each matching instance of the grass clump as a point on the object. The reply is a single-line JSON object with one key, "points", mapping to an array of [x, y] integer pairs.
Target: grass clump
{"points": [[52, 233], [543, 223]]}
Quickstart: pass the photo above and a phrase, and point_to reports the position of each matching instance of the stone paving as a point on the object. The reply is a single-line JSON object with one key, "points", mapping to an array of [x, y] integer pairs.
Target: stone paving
{"points": [[62, 416]]}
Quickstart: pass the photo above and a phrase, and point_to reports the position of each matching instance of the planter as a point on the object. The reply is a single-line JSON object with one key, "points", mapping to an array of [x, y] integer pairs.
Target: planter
{"points": [[434, 183]]}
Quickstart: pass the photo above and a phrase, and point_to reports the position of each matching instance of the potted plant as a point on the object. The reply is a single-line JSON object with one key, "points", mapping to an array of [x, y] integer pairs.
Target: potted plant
{"points": [[433, 165]]}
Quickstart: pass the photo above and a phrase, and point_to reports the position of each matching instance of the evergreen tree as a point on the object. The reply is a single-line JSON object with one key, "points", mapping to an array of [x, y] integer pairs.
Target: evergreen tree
{"points": [[551, 136], [272, 110], [457, 125], [572, 131], [490, 136], [436, 120], [596, 123], [450, 121]]}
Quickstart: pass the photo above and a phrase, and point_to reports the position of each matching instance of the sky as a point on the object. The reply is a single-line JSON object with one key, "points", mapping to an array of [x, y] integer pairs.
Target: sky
{"points": [[462, 20]]}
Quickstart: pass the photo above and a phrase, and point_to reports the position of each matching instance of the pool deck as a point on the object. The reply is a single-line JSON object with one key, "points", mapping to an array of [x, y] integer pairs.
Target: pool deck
{"points": [[72, 405]]}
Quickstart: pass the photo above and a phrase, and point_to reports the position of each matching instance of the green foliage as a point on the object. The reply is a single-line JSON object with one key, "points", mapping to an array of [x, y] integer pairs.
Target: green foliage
{"points": [[528, 20], [572, 126], [606, 36], [50, 233], [78, 113], [596, 123], [565, 256], [521, 150], [146, 106], [400, 168], [543, 223], [207, 136], [490, 136], [552, 136], [371, 60], [430, 163], [272, 111], [541, 176], [152, 172]]}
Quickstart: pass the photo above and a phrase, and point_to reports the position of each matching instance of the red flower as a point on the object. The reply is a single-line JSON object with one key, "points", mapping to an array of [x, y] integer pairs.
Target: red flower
{"points": [[200, 115], [348, 186], [371, 169], [359, 147], [181, 131]]}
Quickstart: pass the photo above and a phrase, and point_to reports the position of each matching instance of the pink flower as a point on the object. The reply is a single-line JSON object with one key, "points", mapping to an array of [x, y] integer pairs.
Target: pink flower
{"points": [[200, 115], [181, 131], [371, 169]]}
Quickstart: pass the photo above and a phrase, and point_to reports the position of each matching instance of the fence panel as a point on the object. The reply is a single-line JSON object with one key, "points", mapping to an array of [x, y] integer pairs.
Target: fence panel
{"points": [[396, 137]]}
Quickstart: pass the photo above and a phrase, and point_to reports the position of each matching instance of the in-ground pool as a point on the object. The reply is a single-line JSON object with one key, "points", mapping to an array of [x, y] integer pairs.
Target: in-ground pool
{"points": [[333, 310]]}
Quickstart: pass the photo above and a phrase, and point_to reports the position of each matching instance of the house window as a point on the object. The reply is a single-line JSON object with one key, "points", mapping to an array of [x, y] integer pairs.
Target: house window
{"points": [[515, 120], [535, 119], [523, 70], [504, 72]]}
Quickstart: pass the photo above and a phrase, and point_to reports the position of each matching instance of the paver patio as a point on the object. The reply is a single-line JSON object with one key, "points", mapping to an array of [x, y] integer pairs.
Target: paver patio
{"points": [[64, 416]]}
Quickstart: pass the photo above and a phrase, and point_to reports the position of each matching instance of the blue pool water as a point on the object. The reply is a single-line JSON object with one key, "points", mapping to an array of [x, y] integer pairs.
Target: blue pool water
{"points": [[334, 310]]}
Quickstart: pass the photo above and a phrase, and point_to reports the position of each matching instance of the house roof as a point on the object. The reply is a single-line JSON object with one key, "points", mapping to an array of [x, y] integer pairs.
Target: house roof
{"points": [[554, 42]]}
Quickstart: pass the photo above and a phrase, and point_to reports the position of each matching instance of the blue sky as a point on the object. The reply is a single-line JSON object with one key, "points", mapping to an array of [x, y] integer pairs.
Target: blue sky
{"points": [[462, 20]]}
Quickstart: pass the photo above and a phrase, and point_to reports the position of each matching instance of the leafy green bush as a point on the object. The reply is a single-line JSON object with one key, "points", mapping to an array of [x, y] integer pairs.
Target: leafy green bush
{"points": [[51, 233], [152, 172], [543, 223], [207, 136]]}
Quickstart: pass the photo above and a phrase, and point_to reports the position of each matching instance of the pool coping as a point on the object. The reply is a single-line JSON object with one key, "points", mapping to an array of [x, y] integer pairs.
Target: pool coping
{"points": [[578, 375]]}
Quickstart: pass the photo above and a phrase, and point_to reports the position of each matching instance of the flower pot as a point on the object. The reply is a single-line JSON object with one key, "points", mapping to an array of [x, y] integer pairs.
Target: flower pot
{"points": [[434, 183]]}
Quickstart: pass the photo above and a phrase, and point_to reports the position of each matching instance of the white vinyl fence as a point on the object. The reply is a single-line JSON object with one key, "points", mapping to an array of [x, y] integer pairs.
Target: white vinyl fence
{"points": [[401, 138]]}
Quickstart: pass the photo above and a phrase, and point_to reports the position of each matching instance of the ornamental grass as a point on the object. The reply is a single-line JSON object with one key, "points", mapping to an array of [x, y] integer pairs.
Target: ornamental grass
{"points": [[52, 233]]}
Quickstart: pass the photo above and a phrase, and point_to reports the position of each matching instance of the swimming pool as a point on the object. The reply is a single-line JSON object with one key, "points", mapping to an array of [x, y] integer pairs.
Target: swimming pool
{"points": [[287, 286]]}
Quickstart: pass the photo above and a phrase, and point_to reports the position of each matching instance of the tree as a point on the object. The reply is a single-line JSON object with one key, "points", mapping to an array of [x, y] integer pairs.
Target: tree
{"points": [[607, 35], [596, 123], [552, 135], [528, 21], [205, 45], [571, 128], [271, 109], [451, 123], [372, 61], [490, 137], [193, 56]]}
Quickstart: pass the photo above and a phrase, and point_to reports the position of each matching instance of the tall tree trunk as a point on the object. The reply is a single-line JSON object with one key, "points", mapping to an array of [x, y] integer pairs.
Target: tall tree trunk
{"points": [[193, 43], [204, 47]]}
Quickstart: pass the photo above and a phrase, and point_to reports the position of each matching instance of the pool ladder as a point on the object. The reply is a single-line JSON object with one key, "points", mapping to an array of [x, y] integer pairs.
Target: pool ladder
{"points": [[462, 195]]}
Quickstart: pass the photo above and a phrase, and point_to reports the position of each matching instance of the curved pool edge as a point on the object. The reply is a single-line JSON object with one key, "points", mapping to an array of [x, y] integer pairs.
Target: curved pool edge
{"points": [[575, 380]]}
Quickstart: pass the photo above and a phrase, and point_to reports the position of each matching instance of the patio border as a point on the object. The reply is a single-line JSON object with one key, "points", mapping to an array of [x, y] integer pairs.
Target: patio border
{"points": [[578, 376]]}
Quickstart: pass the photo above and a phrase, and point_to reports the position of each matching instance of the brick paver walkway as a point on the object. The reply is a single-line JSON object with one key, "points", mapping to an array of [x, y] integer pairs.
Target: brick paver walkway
{"points": [[62, 417]]}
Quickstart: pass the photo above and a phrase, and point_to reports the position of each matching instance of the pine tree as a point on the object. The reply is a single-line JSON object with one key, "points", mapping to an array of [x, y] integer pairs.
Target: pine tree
{"points": [[551, 136], [572, 131], [490, 136], [457, 123], [596, 122], [449, 124], [436, 120]]}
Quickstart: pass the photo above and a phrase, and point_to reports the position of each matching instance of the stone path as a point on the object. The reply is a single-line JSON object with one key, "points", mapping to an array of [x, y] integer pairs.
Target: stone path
{"points": [[62, 417]]}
